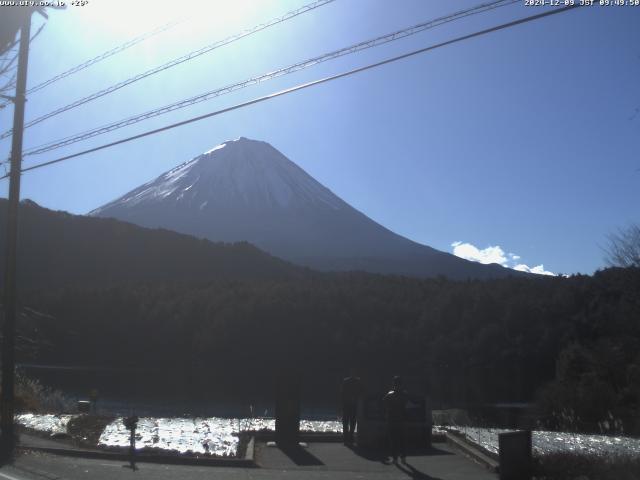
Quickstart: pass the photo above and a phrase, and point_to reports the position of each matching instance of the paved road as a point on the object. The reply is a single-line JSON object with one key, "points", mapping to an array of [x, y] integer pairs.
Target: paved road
{"points": [[319, 461]]}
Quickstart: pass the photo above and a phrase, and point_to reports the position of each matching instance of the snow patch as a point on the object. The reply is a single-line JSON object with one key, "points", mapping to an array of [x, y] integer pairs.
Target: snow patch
{"points": [[218, 147], [545, 442], [47, 423], [209, 436]]}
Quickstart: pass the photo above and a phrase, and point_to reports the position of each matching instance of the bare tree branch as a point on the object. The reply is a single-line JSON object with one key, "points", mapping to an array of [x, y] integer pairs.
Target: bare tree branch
{"points": [[8, 65], [7, 71], [623, 249]]}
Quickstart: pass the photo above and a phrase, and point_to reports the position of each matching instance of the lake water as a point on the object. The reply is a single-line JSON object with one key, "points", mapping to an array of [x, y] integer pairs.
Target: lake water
{"points": [[167, 393]]}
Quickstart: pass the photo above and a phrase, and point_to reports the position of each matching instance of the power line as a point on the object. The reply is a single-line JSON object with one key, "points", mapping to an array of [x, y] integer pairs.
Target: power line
{"points": [[390, 37], [174, 62], [304, 86], [104, 55], [107, 54]]}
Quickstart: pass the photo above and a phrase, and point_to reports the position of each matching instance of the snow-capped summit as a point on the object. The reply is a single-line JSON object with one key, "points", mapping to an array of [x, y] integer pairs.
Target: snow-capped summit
{"points": [[246, 171], [246, 190]]}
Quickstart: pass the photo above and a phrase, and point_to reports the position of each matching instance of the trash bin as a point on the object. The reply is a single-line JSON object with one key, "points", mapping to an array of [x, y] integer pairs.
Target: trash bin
{"points": [[372, 424]]}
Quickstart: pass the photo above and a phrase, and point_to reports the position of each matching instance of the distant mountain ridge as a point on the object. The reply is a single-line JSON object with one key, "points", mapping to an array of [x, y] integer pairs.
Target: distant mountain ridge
{"points": [[246, 190], [58, 249]]}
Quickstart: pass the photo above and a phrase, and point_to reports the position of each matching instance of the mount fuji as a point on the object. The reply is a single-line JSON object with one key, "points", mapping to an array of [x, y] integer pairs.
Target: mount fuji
{"points": [[246, 190]]}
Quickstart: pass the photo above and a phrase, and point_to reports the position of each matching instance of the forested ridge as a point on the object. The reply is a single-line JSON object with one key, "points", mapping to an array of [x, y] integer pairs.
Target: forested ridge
{"points": [[57, 248], [114, 294], [463, 342]]}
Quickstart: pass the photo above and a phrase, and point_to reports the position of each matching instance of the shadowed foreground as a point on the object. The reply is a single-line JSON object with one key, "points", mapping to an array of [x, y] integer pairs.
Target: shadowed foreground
{"points": [[318, 461], [339, 461]]}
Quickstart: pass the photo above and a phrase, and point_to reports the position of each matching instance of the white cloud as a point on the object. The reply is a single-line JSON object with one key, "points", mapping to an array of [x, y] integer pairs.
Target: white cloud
{"points": [[539, 269], [473, 253], [495, 254]]}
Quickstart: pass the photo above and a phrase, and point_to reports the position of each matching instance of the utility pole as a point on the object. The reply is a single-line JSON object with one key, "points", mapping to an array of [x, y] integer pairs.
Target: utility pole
{"points": [[10, 289]]}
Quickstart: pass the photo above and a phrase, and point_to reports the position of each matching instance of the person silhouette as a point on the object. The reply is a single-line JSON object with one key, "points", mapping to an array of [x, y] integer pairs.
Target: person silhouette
{"points": [[351, 392], [394, 405]]}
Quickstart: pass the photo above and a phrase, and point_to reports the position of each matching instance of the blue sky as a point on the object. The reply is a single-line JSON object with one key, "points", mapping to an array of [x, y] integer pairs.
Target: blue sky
{"points": [[522, 143]]}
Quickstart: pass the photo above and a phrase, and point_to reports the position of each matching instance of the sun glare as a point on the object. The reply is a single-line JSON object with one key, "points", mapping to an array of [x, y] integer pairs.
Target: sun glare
{"points": [[125, 18]]}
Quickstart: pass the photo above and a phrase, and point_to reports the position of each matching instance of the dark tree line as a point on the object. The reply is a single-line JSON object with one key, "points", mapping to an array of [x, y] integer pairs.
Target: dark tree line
{"points": [[462, 342], [229, 317]]}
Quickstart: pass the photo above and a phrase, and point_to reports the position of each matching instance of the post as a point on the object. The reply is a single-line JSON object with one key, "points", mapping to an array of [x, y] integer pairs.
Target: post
{"points": [[287, 407], [131, 423], [10, 289], [514, 450]]}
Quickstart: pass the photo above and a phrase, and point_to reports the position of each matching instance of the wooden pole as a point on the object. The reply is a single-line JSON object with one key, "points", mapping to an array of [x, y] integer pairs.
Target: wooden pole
{"points": [[10, 284]]}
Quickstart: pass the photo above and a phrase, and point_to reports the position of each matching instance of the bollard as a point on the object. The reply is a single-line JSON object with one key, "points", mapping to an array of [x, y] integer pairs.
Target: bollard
{"points": [[131, 423], [84, 406], [93, 398]]}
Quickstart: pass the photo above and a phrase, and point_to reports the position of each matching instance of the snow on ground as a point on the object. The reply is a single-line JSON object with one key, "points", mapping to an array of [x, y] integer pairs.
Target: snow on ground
{"points": [[554, 442], [213, 435], [219, 436], [48, 423]]}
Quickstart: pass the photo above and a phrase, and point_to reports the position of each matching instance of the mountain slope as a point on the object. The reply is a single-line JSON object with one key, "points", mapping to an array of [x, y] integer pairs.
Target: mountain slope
{"points": [[57, 248], [246, 190]]}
